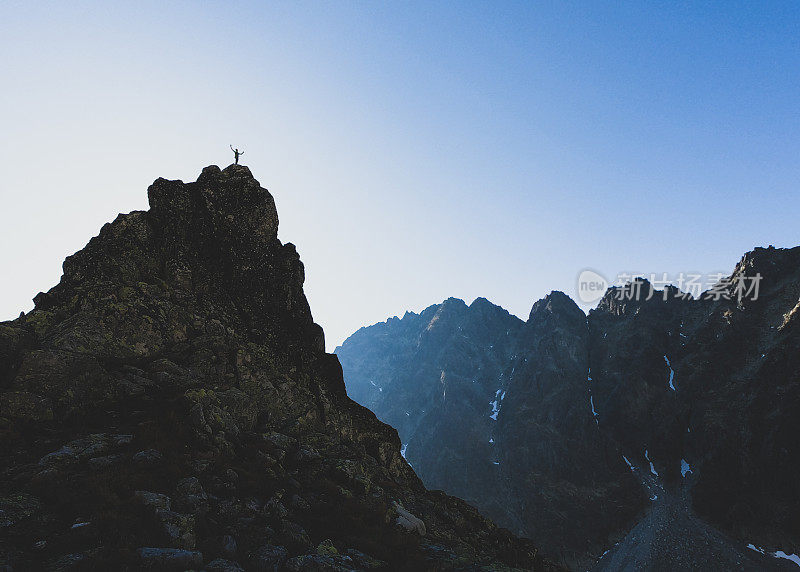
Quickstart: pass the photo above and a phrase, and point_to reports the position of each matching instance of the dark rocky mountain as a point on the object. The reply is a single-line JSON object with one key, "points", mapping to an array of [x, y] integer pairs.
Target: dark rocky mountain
{"points": [[730, 410], [496, 411], [678, 413], [169, 405]]}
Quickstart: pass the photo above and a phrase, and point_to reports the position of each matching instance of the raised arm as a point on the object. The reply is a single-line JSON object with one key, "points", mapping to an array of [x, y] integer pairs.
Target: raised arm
{"points": [[231, 146]]}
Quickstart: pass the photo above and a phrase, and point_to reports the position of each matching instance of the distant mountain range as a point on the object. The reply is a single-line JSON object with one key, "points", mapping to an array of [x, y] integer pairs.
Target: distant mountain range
{"points": [[679, 414]]}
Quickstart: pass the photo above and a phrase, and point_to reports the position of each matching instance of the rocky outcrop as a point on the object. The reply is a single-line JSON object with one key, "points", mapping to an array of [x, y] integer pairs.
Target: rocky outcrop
{"points": [[170, 404]]}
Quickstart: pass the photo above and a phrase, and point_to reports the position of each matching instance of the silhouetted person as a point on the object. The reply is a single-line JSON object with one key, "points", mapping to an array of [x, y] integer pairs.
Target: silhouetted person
{"points": [[236, 154]]}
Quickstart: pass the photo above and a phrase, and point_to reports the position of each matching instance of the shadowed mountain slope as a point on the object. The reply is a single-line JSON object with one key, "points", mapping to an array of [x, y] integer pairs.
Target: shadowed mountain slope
{"points": [[496, 411], [169, 404], [538, 423]]}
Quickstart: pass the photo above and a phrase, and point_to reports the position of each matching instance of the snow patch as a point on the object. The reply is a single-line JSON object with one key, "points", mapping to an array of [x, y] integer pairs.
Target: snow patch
{"points": [[777, 554], [671, 373], [594, 411], [652, 468], [499, 395], [792, 557], [630, 466], [403, 450]]}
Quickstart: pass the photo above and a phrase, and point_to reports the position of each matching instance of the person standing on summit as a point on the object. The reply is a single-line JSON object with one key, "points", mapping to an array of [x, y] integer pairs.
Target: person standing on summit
{"points": [[236, 154]]}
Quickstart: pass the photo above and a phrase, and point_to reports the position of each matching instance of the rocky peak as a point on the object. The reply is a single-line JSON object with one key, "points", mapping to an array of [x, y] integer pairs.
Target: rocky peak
{"points": [[445, 316], [482, 304], [176, 379], [557, 306], [228, 204], [453, 305], [764, 271], [208, 248], [760, 259], [638, 293]]}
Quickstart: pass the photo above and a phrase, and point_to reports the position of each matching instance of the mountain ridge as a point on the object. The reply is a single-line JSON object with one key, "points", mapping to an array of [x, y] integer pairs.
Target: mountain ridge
{"points": [[642, 371]]}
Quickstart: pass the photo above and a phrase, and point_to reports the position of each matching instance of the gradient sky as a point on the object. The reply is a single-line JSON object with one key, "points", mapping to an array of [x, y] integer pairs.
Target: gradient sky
{"points": [[416, 151]]}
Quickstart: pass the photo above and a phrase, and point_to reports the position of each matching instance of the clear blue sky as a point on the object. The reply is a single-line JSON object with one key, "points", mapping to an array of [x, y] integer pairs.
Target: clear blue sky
{"points": [[415, 150]]}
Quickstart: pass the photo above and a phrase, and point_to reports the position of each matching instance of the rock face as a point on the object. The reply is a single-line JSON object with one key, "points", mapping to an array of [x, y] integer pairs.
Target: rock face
{"points": [[712, 385], [496, 411], [169, 403], [550, 426]]}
